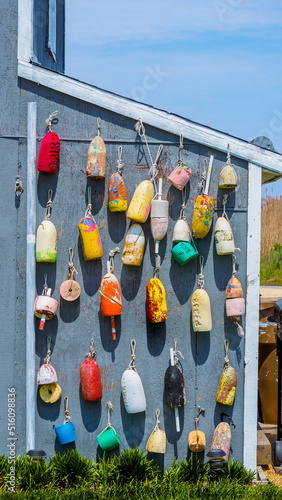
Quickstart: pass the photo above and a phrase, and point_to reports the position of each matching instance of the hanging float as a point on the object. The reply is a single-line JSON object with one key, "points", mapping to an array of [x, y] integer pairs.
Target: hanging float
{"points": [[140, 204], [49, 153], [203, 209], [221, 443], [108, 439], [223, 234], [70, 290], [180, 176], [96, 160], [201, 305], [174, 389], [134, 245], [47, 378], [66, 432], [156, 297], [110, 295], [132, 388], [159, 217], [227, 176], [89, 234], [228, 382], [116, 188], [46, 236], [90, 377], [235, 303], [197, 439], [157, 440], [185, 250], [45, 307]]}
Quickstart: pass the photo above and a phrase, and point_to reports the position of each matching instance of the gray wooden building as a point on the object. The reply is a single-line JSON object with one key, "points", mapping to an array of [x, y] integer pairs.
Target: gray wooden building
{"points": [[33, 85]]}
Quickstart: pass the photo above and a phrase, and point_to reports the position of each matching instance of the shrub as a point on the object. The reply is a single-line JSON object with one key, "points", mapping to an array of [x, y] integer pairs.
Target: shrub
{"points": [[70, 469]]}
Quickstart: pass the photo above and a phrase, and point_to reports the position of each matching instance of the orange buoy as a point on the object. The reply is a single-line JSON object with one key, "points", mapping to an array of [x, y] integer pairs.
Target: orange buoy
{"points": [[235, 303], [110, 295]]}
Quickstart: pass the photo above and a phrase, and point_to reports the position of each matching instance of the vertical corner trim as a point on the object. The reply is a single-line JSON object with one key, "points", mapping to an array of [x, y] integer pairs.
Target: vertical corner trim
{"points": [[252, 317]]}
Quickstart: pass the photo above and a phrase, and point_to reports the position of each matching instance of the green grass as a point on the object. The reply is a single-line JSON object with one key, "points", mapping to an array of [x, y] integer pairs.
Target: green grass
{"points": [[271, 267], [129, 476]]}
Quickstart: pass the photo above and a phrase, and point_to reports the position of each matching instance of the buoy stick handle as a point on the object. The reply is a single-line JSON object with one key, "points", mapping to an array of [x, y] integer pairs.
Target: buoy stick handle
{"points": [[42, 322], [207, 186], [157, 246], [108, 266], [171, 356], [114, 335], [177, 421], [160, 186]]}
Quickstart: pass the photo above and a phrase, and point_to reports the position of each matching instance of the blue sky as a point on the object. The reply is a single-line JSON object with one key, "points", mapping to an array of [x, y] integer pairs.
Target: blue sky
{"points": [[217, 62]]}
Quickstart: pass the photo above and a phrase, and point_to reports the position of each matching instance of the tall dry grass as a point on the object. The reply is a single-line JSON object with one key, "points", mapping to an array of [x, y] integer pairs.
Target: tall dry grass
{"points": [[271, 223]]}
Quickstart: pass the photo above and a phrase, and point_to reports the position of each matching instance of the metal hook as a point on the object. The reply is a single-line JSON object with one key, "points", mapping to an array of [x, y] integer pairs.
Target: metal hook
{"points": [[157, 419], [176, 352], [110, 407], [201, 281], [226, 347], [112, 254], [230, 419], [181, 147], [66, 401], [228, 160]]}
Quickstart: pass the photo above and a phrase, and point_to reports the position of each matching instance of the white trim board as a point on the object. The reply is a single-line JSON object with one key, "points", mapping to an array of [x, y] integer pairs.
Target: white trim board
{"points": [[151, 116], [252, 318]]}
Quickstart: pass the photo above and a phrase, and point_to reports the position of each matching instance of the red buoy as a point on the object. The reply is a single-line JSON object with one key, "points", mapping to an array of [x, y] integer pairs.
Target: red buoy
{"points": [[90, 377], [49, 153]]}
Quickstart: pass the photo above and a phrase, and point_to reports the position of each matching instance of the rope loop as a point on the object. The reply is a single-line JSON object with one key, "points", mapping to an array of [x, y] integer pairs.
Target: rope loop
{"points": [[45, 287], [201, 280], [49, 120], [202, 182], [120, 165], [67, 415], [234, 272], [181, 147], [98, 126], [92, 352], [131, 365], [176, 353], [228, 159], [230, 419], [197, 418], [140, 129], [48, 205], [183, 206], [157, 426], [88, 212], [224, 201], [110, 407], [47, 360], [111, 257], [157, 266], [72, 269], [226, 346]]}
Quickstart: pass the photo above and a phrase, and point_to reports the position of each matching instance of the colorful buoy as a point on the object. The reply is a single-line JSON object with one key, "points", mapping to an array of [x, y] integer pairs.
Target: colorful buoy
{"points": [[116, 189], [46, 236], [96, 160]]}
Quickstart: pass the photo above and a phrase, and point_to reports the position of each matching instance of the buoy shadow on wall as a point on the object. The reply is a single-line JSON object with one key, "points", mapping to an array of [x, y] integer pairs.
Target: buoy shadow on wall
{"points": [[133, 425], [107, 454], [91, 272], [182, 279], [69, 311], [48, 411], [158, 459], [97, 194], [156, 336], [116, 225], [108, 343], [46, 182], [90, 412], [200, 345]]}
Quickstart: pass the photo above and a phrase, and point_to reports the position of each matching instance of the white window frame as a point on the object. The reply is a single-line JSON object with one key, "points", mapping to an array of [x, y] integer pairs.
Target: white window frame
{"points": [[52, 28]]}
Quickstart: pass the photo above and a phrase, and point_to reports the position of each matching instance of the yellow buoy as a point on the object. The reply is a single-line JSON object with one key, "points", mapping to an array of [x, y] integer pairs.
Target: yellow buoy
{"points": [[156, 301], [197, 439], [89, 234], [201, 306], [227, 176], [157, 440], [140, 204]]}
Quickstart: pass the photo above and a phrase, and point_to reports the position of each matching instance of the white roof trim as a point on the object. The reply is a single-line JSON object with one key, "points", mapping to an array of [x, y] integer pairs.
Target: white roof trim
{"points": [[152, 116]]}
